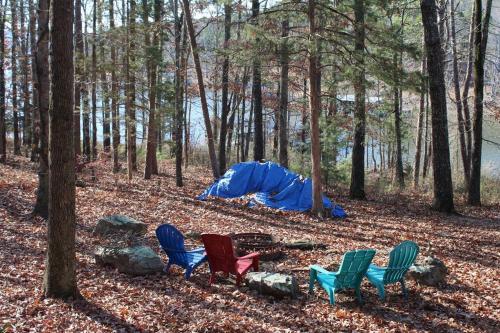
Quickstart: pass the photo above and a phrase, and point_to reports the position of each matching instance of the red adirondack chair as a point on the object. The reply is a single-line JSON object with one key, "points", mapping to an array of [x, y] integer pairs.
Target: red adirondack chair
{"points": [[221, 257]]}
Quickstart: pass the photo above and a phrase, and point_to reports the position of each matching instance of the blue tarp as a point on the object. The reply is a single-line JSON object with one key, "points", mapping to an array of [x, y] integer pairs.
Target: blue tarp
{"points": [[274, 186]]}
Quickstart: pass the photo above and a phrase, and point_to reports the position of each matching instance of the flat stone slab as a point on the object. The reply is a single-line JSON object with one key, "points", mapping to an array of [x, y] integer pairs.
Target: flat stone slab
{"points": [[119, 223], [431, 272], [137, 260], [274, 284], [303, 244]]}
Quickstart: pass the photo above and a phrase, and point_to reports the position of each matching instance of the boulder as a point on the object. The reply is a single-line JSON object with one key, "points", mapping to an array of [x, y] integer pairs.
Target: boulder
{"points": [[303, 244], [274, 284], [119, 223], [137, 260], [431, 272]]}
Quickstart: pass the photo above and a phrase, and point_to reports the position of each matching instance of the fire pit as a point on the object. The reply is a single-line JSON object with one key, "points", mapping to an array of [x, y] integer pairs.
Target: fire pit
{"points": [[265, 244]]}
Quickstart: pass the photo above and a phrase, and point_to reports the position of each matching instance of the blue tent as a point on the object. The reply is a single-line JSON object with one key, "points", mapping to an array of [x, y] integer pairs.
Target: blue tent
{"points": [[274, 186]]}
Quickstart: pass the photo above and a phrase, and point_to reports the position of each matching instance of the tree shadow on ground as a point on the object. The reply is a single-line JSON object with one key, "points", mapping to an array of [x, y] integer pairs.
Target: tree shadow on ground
{"points": [[104, 317]]}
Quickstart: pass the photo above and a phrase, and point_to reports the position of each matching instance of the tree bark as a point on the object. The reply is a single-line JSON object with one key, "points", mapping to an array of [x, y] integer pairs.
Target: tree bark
{"points": [[151, 162], [249, 132], [106, 143], [94, 81], [115, 116], [480, 43], [179, 93], [42, 68], [60, 272], [34, 96], [201, 87], [82, 49], [130, 93], [78, 76], [283, 106], [357, 188], [458, 102], [225, 88], [3, 129], [443, 187], [258, 148], [420, 125], [314, 109], [13, 65], [465, 92], [397, 127], [25, 69]]}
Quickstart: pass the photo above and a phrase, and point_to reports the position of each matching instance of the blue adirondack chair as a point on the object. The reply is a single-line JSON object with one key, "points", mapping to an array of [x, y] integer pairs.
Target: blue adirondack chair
{"points": [[172, 242], [400, 260], [349, 275]]}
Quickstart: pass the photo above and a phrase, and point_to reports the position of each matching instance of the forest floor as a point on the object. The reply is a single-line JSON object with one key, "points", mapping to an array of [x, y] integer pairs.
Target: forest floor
{"points": [[467, 243]]}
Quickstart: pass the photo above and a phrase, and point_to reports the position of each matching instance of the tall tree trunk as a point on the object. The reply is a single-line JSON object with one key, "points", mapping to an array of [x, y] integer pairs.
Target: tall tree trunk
{"points": [[236, 99], [179, 100], [83, 49], [283, 106], [258, 147], [443, 187], [94, 81], [225, 89], [420, 125], [249, 132], [397, 126], [242, 123], [151, 163], [78, 76], [3, 129], [303, 131], [17, 143], [201, 87], [106, 137], [465, 92], [458, 102], [427, 147], [115, 114], [480, 43], [35, 124], [314, 109], [130, 93], [357, 188], [42, 74], [27, 130], [60, 272]]}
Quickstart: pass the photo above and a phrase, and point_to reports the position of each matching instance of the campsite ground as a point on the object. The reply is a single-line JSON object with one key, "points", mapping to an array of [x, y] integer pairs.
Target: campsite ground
{"points": [[467, 243]]}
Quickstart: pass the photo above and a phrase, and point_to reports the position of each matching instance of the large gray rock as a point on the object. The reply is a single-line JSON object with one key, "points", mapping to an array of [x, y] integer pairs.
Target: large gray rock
{"points": [[431, 272], [119, 223], [274, 284], [137, 260]]}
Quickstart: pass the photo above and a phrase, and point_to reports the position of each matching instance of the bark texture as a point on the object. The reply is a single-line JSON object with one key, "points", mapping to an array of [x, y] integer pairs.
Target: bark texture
{"points": [[60, 273], [443, 188], [480, 43], [357, 188], [42, 68]]}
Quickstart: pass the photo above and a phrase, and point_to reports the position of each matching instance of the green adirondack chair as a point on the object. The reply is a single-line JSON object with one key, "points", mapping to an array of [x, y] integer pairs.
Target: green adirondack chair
{"points": [[400, 260], [351, 272]]}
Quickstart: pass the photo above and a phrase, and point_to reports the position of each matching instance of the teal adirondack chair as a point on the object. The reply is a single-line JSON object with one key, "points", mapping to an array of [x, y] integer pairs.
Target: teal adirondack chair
{"points": [[400, 260], [351, 272]]}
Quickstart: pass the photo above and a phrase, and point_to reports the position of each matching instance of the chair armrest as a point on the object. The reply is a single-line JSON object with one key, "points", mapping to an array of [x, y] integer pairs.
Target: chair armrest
{"points": [[375, 267], [166, 249], [250, 256], [321, 270], [200, 249]]}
